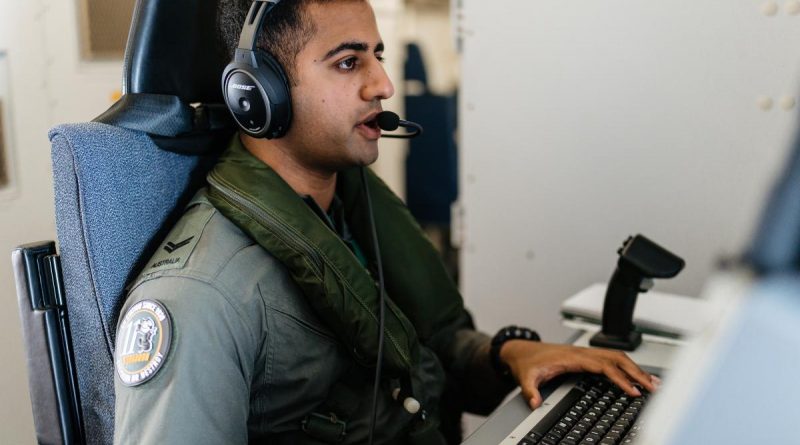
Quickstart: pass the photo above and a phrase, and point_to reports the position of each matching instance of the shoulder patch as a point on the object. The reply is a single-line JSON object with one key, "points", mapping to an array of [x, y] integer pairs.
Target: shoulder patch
{"points": [[181, 241], [143, 341]]}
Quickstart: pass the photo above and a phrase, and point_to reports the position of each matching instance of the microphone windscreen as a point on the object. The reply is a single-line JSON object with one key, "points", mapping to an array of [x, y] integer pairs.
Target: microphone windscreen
{"points": [[388, 121]]}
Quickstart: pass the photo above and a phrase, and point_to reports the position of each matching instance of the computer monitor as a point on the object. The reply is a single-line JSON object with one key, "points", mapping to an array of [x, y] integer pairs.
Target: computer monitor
{"points": [[735, 383]]}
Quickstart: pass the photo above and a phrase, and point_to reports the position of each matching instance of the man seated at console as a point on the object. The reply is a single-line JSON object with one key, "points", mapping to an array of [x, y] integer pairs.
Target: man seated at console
{"points": [[258, 318]]}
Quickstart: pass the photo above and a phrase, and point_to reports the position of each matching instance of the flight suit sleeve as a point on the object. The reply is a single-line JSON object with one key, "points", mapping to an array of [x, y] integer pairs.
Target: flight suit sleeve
{"points": [[199, 392], [464, 351]]}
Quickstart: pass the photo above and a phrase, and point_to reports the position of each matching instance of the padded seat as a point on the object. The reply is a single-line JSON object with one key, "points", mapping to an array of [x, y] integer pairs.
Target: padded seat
{"points": [[115, 192], [120, 183]]}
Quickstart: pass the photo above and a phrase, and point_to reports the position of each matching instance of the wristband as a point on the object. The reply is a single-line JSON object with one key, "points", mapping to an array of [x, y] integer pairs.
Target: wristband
{"points": [[503, 335]]}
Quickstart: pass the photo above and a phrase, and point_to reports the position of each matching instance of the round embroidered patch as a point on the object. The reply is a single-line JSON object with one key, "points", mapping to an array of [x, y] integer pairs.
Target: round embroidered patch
{"points": [[142, 342]]}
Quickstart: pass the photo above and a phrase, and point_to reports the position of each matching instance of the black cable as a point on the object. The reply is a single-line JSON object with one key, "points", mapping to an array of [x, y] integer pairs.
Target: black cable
{"points": [[381, 309]]}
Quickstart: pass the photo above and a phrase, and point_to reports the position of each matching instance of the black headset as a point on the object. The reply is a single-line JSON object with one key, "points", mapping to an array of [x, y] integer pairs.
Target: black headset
{"points": [[254, 84]]}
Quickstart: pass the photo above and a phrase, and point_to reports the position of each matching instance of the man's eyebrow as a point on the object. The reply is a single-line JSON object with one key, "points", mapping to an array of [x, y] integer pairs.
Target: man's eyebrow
{"points": [[355, 46]]}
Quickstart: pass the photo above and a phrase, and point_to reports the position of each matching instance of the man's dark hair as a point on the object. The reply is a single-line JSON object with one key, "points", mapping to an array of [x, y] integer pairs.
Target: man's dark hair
{"points": [[284, 33]]}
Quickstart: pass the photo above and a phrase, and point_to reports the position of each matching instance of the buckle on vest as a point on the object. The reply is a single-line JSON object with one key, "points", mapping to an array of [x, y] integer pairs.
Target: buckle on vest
{"points": [[327, 428]]}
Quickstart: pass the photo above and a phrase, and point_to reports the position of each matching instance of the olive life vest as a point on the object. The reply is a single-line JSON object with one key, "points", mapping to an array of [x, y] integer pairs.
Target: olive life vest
{"points": [[423, 305]]}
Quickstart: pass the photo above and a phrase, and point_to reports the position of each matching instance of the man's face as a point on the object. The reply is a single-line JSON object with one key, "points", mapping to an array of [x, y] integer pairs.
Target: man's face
{"points": [[339, 85]]}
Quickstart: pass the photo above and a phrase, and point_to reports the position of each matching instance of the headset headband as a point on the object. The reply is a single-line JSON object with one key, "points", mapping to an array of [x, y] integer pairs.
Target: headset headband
{"points": [[254, 85], [252, 23]]}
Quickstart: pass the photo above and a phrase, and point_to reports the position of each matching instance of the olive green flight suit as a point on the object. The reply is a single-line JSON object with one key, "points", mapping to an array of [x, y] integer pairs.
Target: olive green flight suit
{"points": [[248, 359]]}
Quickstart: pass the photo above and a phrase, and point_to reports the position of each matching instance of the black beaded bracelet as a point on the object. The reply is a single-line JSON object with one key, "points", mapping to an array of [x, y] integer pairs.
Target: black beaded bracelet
{"points": [[503, 335]]}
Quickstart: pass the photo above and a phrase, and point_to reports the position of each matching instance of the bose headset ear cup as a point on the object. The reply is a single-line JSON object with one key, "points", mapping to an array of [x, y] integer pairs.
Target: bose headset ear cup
{"points": [[258, 97], [277, 86], [255, 86], [246, 100]]}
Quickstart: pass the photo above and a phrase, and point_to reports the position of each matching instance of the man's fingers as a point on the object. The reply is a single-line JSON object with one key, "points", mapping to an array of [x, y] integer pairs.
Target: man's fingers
{"points": [[637, 374], [655, 380], [620, 379], [530, 390], [535, 399]]}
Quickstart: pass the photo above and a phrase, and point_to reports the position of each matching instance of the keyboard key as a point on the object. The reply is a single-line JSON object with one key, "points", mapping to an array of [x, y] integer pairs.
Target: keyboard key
{"points": [[563, 425], [582, 428], [617, 431], [622, 424], [608, 419], [554, 437], [558, 432], [526, 441], [535, 437], [594, 436]]}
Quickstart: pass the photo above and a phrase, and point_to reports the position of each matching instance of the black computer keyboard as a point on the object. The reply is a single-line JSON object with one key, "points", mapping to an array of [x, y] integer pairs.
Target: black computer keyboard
{"points": [[594, 412]]}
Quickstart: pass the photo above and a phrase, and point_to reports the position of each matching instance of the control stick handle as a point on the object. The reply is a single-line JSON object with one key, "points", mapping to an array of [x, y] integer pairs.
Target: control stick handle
{"points": [[640, 261]]}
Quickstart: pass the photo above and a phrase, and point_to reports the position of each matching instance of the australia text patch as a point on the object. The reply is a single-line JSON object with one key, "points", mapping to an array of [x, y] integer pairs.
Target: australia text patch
{"points": [[181, 241], [143, 342]]}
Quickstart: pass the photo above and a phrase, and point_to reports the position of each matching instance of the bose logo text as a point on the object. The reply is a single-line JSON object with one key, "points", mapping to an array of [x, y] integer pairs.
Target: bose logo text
{"points": [[242, 87]]}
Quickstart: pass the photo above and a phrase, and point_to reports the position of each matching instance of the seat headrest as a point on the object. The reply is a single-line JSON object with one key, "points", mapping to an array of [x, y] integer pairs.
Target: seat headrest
{"points": [[172, 49], [171, 77]]}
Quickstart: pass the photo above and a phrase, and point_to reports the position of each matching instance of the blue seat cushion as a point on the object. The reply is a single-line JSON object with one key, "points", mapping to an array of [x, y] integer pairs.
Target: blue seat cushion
{"points": [[115, 194]]}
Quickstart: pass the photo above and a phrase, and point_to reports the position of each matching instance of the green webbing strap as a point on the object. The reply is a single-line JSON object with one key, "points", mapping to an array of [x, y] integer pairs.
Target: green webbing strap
{"points": [[341, 292]]}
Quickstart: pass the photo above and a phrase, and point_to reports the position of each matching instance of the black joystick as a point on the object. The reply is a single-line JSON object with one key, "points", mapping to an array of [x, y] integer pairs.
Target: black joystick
{"points": [[640, 260]]}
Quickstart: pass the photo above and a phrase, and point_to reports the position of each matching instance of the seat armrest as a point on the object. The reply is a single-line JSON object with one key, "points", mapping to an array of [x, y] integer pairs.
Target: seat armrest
{"points": [[51, 374]]}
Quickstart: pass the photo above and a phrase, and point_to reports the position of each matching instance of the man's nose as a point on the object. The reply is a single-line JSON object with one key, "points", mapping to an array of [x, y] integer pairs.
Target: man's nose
{"points": [[378, 85]]}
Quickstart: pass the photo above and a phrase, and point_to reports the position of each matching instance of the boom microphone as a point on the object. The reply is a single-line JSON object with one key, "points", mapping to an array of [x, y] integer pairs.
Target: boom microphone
{"points": [[389, 121]]}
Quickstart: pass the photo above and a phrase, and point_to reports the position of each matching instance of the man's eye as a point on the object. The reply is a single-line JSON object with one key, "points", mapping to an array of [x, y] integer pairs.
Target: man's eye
{"points": [[347, 64]]}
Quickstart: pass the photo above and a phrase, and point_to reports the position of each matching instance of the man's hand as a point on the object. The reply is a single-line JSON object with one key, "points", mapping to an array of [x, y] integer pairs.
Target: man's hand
{"points": [[534, 363]]}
